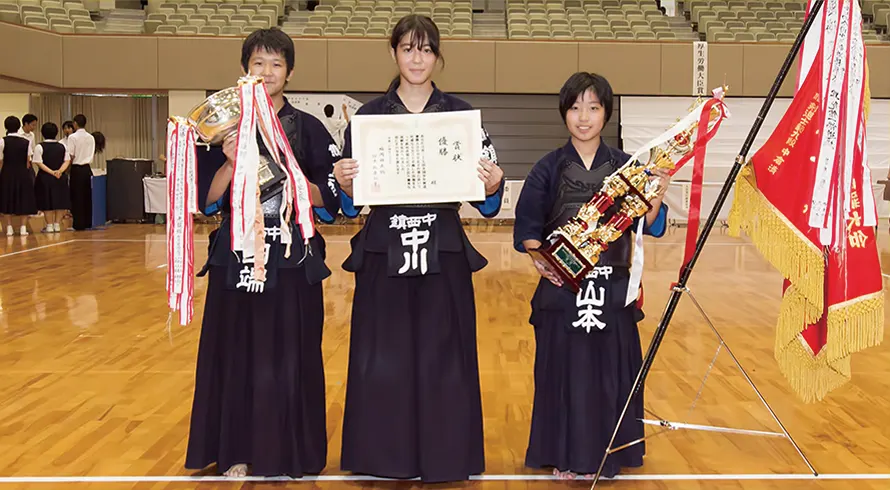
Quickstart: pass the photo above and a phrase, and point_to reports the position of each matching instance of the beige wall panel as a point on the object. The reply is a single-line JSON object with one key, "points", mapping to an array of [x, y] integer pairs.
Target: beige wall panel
{"points": [[725, 67], [45, 62], [198, 63], [310, 65], [180, 102], [879, 70], [534, 67], [356, 65], [631, 68], [31, 55], [14, 105], [762, 64], [20, 87], [469, 67], [115, 62], [676, 69]]}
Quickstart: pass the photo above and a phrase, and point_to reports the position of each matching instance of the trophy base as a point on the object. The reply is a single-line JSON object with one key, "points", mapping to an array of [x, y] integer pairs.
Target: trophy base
{"points": [[565, 260]]}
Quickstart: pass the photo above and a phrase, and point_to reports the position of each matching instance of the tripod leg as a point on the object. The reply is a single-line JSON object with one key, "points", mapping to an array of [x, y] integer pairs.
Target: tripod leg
{"points": [[644, 369], [751, 382]]}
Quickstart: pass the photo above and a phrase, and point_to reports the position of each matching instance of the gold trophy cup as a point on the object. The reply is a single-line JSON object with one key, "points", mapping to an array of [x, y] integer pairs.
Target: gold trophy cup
{"points": [[217, 117]]}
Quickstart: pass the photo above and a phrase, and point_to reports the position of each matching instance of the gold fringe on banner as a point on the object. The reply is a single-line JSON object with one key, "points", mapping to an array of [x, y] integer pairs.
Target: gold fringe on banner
{"points": [[780, 243], [810, 376], [794, 316], [852, 326], [855, 325]]}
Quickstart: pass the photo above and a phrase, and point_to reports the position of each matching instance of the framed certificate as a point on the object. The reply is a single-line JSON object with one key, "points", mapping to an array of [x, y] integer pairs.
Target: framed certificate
{"points": [[417, 158]]}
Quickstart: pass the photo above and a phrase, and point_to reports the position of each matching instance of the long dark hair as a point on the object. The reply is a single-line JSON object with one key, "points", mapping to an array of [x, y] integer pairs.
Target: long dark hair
{"points": [[100, 141], [422, 30]]}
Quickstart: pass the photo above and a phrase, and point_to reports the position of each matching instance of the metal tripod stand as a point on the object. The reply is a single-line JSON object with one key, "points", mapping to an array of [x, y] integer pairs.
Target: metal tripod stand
{"points": [[666, 425], [681, 286]]}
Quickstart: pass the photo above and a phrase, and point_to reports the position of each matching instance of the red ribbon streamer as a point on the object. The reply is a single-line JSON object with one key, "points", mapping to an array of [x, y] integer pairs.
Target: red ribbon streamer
{"points": [[701, 141]]}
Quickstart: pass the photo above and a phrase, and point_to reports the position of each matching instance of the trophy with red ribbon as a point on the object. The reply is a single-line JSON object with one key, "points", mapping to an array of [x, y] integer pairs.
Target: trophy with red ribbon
{"points": [[247, 111], [573, 249]]}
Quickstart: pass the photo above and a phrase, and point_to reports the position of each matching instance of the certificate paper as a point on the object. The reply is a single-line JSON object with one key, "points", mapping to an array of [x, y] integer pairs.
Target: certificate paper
{"points": [[417, 158]]}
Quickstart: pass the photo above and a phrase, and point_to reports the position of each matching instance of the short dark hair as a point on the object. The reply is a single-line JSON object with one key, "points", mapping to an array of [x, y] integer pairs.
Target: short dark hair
{"points": [[68, 124], [581, 82], [421, 29], [12, 124], [49, 130], [29, 118], [272, 40], [80, 120], [328, 110]]}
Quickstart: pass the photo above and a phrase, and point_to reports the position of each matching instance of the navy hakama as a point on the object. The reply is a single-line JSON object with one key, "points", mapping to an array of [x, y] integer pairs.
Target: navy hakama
{"points": [[588, 351], [413, 399], [260, 386]]}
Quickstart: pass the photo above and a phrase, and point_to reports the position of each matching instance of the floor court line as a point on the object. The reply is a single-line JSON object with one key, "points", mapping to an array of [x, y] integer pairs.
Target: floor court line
{"points": [[129, 240], [359, 478], [330, 239], [10, 254]]}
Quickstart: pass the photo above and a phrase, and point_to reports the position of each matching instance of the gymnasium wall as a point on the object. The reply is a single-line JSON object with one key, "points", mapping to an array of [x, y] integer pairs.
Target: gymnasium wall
{"points": [[53, 61], [513, 83], [13, 105]]}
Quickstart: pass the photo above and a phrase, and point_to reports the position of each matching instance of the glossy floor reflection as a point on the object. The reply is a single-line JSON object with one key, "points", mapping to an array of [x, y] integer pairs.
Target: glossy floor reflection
{"points": [[92, 385]]}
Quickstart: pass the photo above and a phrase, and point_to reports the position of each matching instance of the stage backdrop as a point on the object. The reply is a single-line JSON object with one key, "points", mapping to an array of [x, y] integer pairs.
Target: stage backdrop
{"points": [[644, 118]]}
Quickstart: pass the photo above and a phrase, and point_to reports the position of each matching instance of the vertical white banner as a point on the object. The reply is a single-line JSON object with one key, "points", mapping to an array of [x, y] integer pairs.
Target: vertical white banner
{"points": [[699, 68]]}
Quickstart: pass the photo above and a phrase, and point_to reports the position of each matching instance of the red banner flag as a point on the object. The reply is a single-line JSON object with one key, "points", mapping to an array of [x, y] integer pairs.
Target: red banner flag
{"points": [[806, 200]]}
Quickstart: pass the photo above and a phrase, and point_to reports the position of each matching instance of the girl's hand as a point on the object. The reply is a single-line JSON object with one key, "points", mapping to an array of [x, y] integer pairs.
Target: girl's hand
{"points": [[664, 176], [491, 174], [345, 171], [547, 272]]}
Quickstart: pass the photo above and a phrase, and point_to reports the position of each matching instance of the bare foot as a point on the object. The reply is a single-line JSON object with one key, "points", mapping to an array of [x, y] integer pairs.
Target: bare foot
{"points": [[564, 475], [237, 471]]}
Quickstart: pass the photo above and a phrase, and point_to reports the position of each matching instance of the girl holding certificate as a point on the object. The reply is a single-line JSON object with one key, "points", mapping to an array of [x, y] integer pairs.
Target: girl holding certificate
{"points": [[413, 402], [588, 352]]}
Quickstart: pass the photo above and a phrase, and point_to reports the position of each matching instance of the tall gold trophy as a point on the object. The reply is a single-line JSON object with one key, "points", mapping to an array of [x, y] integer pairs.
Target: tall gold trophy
{"points": [[573, 249]]}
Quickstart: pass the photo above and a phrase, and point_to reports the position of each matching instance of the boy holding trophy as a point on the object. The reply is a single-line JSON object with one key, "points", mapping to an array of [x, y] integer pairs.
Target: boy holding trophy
{"points": [[259, 402]]}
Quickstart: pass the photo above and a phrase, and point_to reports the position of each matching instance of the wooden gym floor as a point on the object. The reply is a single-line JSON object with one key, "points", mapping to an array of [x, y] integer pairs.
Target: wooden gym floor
{"points": [[92, 386]]}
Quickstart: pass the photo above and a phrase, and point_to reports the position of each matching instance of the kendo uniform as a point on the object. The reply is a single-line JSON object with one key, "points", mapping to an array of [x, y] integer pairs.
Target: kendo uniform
{"points": [[16, 179], [588, 351], [259, 387], [413, 404], [51, 193]]}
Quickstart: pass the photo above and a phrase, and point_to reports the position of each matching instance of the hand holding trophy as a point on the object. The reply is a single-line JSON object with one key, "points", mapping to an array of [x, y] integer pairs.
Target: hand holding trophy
{"points": [[572, 251], [243, 111]]}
